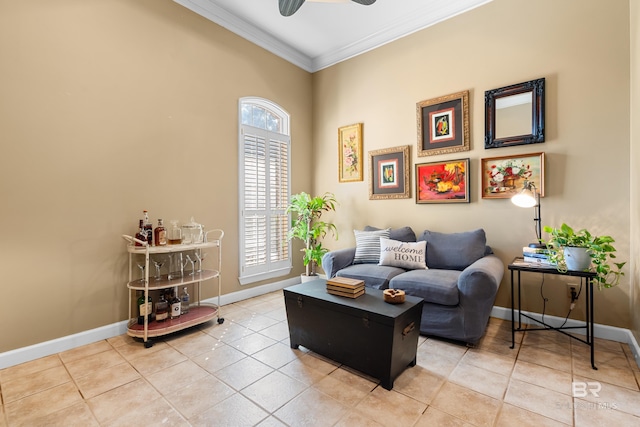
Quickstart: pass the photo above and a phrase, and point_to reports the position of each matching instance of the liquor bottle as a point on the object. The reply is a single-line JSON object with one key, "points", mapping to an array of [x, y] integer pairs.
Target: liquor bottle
{"points": [[162, 308], [174, 302], [141, 235], [148, 228], [160, 234], [144, 310], [174, 234], [184, 301]]}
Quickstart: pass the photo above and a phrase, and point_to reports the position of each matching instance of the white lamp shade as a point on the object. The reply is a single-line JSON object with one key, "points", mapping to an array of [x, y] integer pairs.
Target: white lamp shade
{"points": [[524, 199]]}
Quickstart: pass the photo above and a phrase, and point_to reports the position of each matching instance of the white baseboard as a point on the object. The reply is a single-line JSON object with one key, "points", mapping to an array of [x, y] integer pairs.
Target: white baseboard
{"points": [[36, 351], [252, 292], [606, 332]]}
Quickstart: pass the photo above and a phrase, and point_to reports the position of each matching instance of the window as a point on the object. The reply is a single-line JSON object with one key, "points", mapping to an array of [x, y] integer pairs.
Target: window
{"points": [[264, 153]]}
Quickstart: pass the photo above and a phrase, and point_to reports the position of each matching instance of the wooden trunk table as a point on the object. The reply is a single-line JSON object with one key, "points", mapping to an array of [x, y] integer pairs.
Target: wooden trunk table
{"points": [[365, 333]]}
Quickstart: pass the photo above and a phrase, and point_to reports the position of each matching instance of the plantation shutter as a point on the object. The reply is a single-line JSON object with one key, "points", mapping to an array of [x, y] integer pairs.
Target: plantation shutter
{"points": [[265, 247]]}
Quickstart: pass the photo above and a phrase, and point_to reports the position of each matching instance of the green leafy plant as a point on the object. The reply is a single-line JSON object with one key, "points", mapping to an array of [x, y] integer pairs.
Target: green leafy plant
{"points": [[599, 248], [309, 228]]}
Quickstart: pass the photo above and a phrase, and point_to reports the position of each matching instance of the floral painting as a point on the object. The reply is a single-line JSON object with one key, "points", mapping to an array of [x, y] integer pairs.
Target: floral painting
{"points": [[350, 153], [442, 182], [502, 177]]}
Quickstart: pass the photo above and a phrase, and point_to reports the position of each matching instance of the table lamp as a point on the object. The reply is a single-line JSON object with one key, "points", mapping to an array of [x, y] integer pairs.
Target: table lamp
{"points": [[529, 197]]}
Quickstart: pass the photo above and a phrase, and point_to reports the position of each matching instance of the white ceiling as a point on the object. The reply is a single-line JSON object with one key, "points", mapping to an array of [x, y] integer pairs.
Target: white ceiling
{"points": [[321, 34]]}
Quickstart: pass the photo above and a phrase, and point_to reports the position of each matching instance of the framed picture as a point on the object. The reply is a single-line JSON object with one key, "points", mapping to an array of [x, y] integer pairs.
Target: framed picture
{"points": [[443, 124], [514, 115], [502, 177], [442, 182], [389, 177], [350, 153]]}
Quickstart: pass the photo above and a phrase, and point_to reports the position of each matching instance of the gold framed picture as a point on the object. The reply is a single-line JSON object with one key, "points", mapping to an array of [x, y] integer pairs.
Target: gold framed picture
{"points": [[442, 182], [350, 153], [389, 177], [443, 124], [503, 177]]}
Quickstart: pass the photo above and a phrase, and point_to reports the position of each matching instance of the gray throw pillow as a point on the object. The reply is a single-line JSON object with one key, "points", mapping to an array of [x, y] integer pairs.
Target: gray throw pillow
{"points": [[368, 246], [404, 234], [454, 251]]}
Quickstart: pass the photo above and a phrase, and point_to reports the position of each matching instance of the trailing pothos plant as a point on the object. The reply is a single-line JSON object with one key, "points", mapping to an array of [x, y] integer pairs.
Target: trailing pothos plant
{"points": [[599, 248], [308, 227]]}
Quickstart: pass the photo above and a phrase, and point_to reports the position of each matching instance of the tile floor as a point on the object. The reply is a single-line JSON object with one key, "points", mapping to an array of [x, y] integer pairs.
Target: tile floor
{"points": [[243, 373]]}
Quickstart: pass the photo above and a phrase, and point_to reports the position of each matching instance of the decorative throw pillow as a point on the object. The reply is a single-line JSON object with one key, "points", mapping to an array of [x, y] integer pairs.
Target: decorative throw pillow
{"points": [[454, 251], [407, 255], [404, 234], [368, 246]]}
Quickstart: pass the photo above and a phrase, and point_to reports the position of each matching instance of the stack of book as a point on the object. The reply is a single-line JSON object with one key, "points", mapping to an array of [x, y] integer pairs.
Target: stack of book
{"points": [[537, 256], [345, 287]]}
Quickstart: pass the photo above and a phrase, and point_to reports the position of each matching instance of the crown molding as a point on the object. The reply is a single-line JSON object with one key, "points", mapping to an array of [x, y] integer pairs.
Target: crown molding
{"points": [[220, 16], [433, 12]]}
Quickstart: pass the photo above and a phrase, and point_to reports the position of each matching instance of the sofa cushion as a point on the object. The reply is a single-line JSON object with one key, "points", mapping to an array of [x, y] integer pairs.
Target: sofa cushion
{"points": [[368, 246], [408, 255], [434, 286], [404, 234], [374, 276], [454, 251]]}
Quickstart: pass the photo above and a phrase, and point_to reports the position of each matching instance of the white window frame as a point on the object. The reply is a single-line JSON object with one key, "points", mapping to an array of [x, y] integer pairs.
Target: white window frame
{"points": [[251, 272]]}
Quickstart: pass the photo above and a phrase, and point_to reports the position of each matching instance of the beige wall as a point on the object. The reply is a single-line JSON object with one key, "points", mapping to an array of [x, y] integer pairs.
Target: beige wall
{"points": [[581, 47], [635, 166], [89, 91], [108, 108]]}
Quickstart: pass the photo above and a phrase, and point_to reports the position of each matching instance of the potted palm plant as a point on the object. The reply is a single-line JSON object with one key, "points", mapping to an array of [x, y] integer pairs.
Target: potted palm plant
{"points": [[565, 246], [309, 228]]}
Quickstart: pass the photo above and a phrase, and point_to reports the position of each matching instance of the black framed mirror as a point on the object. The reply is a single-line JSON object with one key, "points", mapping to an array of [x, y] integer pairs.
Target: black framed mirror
{"points": [[514, 115]]}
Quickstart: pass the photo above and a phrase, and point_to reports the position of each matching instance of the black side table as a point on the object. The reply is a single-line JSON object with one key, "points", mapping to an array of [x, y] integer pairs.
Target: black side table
{"points": [[518, 265]]}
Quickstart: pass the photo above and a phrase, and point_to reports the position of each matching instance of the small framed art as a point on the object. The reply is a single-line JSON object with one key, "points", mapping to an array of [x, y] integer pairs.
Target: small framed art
{"points": [[443, 124], [503, 177], [350, 153], [389, 178], [442, 182]]}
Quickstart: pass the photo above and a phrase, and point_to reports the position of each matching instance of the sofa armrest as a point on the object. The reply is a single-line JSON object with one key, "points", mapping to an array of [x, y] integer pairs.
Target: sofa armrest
{"points": [[334, 261], [478, 284]]}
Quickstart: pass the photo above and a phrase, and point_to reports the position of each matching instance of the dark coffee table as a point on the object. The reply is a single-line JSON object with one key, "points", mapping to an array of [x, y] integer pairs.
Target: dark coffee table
{"points": [[365, 333]]}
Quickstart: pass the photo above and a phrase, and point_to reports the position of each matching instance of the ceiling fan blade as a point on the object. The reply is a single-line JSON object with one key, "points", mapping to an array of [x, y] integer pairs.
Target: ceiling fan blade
{"points": [[289, 7], [364, 2]]}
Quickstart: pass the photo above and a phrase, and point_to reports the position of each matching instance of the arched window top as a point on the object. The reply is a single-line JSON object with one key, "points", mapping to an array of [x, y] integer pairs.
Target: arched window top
{"points": [[264, 114]]}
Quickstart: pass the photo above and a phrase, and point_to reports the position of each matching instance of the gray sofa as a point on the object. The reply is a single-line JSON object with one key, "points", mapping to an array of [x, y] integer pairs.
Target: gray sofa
{"points": [[458, 284]]}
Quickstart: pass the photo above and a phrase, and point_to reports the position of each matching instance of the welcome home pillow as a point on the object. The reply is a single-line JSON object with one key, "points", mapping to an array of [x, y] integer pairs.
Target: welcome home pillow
{"points": [[407, 255], [368, 246]]}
